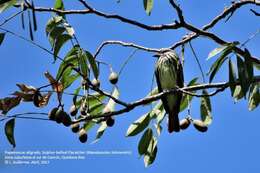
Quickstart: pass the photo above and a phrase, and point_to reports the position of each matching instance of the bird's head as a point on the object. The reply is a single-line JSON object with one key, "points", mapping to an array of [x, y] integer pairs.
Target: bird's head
{"points": [[157, 55], [165, 53]]}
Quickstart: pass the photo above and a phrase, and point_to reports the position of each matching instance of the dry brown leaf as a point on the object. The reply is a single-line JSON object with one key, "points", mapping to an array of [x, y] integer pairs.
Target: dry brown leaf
{"points": [[8, 103], [56, 86], [26, 97], [26, 88], [45, 99]]}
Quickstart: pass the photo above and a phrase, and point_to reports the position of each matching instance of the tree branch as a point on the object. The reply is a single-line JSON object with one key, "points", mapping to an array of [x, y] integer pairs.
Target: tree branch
{"points": [[218, 40], [219, 87], [90, 10], [21, 115], [124, 44], [255, 13], [129, 21], [231, 9], [130, 106]]}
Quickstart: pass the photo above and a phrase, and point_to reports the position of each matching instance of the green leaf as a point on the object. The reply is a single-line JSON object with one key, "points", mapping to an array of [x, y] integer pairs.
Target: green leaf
{"points": [[158, 112], [205, 109], [52, 23], [54, 33], [83, 63], [66, 66], [60, 41], [111, 103], [139, 125], [161, 116], [157, 109], [148, 6], [225, 49], [216, 66], [100, 131], [242, 75], [67, 80], [69, 29], [5, 4], [97, 98], [65, 69], [254, 98], [2, 36], [249, 66], [4, 1], [257, 66], [145, 141], [232, 77], [238, 93], [187, 98], [88, 125], [9, 131], [151, 153], [193, 82], [216, 51], [59, 5], [153, 92], [76, 92], [93, 64], [96, 109], [70, 58], [158, 128], [95, 103]]}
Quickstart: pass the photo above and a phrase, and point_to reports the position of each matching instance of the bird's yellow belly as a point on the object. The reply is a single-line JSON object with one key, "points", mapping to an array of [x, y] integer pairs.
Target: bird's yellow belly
{"points": [[168, 76]]}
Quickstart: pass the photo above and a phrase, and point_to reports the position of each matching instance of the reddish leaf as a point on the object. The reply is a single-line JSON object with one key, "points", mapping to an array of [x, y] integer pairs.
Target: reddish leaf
{"points": [[56, 86], [40, 100], [6, 104], [26, 97], [45, 99], [27, 92], [26, 88]]}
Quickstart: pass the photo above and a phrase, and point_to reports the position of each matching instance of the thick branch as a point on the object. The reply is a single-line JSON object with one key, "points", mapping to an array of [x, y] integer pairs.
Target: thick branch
{"points": [[218, 40], [219, 87], [90, 10], [129, 21], [227, 11]]}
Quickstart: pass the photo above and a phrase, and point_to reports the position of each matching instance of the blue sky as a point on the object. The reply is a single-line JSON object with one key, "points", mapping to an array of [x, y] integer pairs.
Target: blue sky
{"points": [[232, 141]]}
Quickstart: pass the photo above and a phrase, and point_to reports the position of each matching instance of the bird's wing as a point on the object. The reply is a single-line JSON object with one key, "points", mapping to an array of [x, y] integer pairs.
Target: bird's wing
{"points": [[165, 105], [180, 84]]}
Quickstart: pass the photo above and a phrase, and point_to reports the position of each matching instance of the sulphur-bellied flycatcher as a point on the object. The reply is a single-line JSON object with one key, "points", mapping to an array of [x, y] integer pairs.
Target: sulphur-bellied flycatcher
{"points": [[169, 74]]}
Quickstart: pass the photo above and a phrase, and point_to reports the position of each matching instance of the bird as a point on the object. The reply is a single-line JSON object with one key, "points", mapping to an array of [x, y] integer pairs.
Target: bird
{"points": [[169, 75]]}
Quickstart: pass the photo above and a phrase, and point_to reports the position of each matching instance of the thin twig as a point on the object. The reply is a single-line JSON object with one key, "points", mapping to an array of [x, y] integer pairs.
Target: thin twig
{"points": [[255, 13], [126, 61], [29, 41], [10, 18], [198, 62], [233, 7], [125, 44], [250, 38], [26, 113]]}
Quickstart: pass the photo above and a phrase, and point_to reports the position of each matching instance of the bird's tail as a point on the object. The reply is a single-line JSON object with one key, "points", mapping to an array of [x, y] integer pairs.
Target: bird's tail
{"points": [[173, 121]]}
